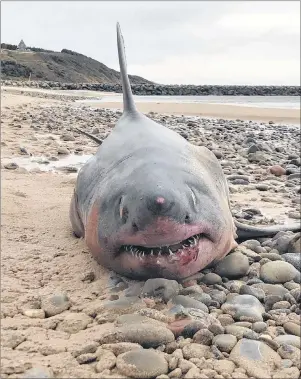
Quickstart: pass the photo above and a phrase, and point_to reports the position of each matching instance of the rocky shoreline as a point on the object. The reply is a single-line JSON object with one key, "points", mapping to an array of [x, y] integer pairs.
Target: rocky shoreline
{"points": [[165, 90], [63, 316]]}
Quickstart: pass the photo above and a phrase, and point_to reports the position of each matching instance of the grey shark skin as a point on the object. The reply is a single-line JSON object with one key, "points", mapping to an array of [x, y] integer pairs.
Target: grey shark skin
{"points": [[150, 204]]}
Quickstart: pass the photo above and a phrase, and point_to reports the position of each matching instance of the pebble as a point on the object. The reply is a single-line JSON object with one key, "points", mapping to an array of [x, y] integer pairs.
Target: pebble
{"points": [[55, 304], [11, 166], [142, 364], [74, 322], [233, 266], [270, 289], [259, 326], [289, 339], [38, 372], [34, 313], [146, 334], [294, 259], [105, 359], [225, 342], [188, 302], [194, 350], [292, 328], [278, 272], [277, 170], [203, 337], [63, 151], [211, 278], [257, 358], [244, 308], [162, 288], [249, 290]]}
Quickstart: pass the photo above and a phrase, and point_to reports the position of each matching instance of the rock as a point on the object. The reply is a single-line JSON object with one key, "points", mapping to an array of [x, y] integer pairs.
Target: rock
{"points": [[224, 366], [249, 290], [211, 278], [188, 302], [272, 289], [121, 347], [63, 151], [162, 288], [67, 137], [185, 327], [146, 334], [257, 358], [39, 372], [55, 304], [203, 337], [292, 353], [106, 359], [244, 308], [225, 342], [142, 364], [278, 272], [262, 187], [257, 157], [74, 322], [34, 313], [287, 373], [11, 166], [194, 350], [259, 326], [86, 358], [277, 170], [289, 339], [292, 328], [294, 245], [233, 266], [294, 259]]}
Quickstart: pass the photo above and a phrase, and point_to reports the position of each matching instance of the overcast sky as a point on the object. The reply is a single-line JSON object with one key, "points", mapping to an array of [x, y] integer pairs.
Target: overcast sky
{"points": [[200, 42]]}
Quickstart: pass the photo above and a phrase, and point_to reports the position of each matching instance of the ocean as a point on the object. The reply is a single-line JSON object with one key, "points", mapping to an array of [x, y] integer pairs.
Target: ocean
{"points": [[282, 102]]}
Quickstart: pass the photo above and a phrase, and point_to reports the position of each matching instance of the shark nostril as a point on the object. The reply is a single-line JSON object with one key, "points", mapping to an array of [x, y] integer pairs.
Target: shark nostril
{"points": [[135, 227], [187, 219]]}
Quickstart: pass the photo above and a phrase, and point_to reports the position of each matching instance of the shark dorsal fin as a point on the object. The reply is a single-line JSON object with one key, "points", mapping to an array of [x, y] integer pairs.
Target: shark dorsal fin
{"points": [[128, 100]]}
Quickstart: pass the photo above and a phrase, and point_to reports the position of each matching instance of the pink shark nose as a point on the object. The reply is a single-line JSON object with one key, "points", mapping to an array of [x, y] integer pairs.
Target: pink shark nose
{"points": [[160, 200]]}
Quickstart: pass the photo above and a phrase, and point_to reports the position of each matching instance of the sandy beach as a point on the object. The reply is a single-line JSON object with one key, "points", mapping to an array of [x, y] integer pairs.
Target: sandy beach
{"points": [[54, 296], [215, 110]]}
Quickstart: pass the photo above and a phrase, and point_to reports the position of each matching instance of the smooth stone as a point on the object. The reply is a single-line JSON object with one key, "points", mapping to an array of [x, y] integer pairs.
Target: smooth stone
{"points": [[294, 259], [249, 290], [146, 334], [194, 350], [259, 326], [292, 328], [272, 289], [278, 272], [294, 245], [289, 339], [55, 304], [38, 373], [188, 302], [162, 288], [257, 358], [34, 313], [224, 342], [142, 363], [232, 266], [211, 278], [244, 308]]}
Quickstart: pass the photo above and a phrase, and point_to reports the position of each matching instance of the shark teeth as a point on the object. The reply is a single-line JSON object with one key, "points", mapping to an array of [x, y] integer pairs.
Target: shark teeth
{"points": [[171, 251]]}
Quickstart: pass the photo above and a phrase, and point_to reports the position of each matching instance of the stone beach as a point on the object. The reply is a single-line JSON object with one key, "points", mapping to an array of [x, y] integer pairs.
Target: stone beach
{"points": [[64, 316]]}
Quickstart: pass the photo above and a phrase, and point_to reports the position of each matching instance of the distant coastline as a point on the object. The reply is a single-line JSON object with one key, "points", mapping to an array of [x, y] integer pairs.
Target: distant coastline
{"points": [[147, 89]]}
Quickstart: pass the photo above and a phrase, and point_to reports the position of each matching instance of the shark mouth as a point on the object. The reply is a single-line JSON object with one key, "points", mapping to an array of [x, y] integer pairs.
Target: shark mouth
{"points": [[184, 251]]}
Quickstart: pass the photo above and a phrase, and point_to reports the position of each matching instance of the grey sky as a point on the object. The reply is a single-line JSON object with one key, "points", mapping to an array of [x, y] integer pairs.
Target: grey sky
{"points": [[200, 42]]}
